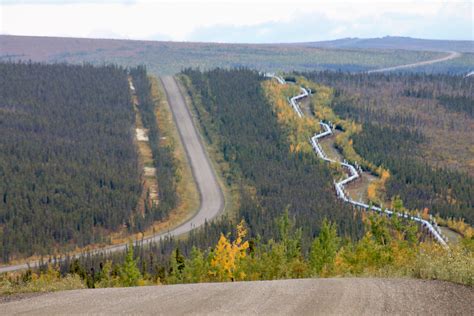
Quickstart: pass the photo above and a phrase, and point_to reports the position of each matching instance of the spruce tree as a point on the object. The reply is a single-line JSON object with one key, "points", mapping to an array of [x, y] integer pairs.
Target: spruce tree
{"points": [[129, 273], [324, 248]]}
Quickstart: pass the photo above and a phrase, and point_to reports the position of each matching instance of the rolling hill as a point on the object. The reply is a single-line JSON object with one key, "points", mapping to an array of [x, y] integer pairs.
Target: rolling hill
{"points": [[171, 57]]}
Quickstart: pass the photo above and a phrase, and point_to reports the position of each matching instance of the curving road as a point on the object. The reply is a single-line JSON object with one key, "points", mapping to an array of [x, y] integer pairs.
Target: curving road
{"points": [[340, 296], [450, 56], [212, 198]]}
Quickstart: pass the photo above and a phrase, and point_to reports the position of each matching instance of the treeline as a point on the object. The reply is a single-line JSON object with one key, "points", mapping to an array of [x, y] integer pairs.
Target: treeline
{"points": [[237, 257], [389, 248], [403, 115], [68, 165], [163, 159]]}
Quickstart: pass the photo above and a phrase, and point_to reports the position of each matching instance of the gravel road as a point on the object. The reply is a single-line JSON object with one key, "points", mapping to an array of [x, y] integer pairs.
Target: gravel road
{"points": [[450, 56], [355, 296], [212, 198]]}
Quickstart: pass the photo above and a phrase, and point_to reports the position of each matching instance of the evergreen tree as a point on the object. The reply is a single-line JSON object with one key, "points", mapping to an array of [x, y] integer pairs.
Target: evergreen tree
{"points": [[324, 248], [290, 237], [106, 279], [196, 268], [177, 265], [129, 273]]}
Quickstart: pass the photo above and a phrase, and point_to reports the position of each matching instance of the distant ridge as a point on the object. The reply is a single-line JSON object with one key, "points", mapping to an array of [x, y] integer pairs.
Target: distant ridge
{"points": [[166, 58], [395, 42]]}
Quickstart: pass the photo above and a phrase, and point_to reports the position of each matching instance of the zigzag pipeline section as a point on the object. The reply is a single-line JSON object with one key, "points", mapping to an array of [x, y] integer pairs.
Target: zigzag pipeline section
{"points": [[430, 226]]}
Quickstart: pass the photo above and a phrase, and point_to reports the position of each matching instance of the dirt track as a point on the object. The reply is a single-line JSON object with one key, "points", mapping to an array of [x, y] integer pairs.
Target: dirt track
{"points": [[285, 297], [450, 56], [212, 198]]}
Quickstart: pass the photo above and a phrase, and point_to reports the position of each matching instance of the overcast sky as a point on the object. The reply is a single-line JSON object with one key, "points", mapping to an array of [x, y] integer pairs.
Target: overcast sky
{"points": [[251, 21]]}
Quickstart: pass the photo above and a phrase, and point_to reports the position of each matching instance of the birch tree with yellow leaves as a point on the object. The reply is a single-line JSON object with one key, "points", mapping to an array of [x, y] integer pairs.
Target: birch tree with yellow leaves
{"points": [[227, 255]]}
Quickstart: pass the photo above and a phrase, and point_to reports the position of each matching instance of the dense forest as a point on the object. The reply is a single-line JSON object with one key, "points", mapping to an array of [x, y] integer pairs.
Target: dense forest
{"points": [[68, 165], [69, 171], [407, 120]]}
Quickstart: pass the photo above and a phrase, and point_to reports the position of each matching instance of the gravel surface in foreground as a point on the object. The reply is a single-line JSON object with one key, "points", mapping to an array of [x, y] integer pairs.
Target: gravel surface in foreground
{"points": [[344, 296]]}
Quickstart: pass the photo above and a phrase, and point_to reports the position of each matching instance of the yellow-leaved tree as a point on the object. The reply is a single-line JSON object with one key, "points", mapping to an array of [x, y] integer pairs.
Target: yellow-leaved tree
{"points": [[227, 256]]}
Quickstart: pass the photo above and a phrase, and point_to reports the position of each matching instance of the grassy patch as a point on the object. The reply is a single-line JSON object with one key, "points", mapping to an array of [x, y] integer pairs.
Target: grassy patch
{"points": [[298, 130], [29, 282]]}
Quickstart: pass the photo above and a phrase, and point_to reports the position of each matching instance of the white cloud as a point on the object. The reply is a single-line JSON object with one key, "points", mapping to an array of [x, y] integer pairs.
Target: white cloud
{"points": [[231, 20]]}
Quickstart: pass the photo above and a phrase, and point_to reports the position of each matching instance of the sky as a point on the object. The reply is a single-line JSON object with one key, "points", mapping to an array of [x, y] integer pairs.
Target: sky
{"points": [[239, 21]]}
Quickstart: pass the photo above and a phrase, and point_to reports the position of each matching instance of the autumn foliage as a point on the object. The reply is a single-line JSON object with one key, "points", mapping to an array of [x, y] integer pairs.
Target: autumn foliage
{"points": [[227, 255], [298, 130], [390, 247]]}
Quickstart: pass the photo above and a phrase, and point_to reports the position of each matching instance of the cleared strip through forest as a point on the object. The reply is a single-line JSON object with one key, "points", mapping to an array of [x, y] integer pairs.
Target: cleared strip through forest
{"points": [[149, 179], [431, 227]]}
